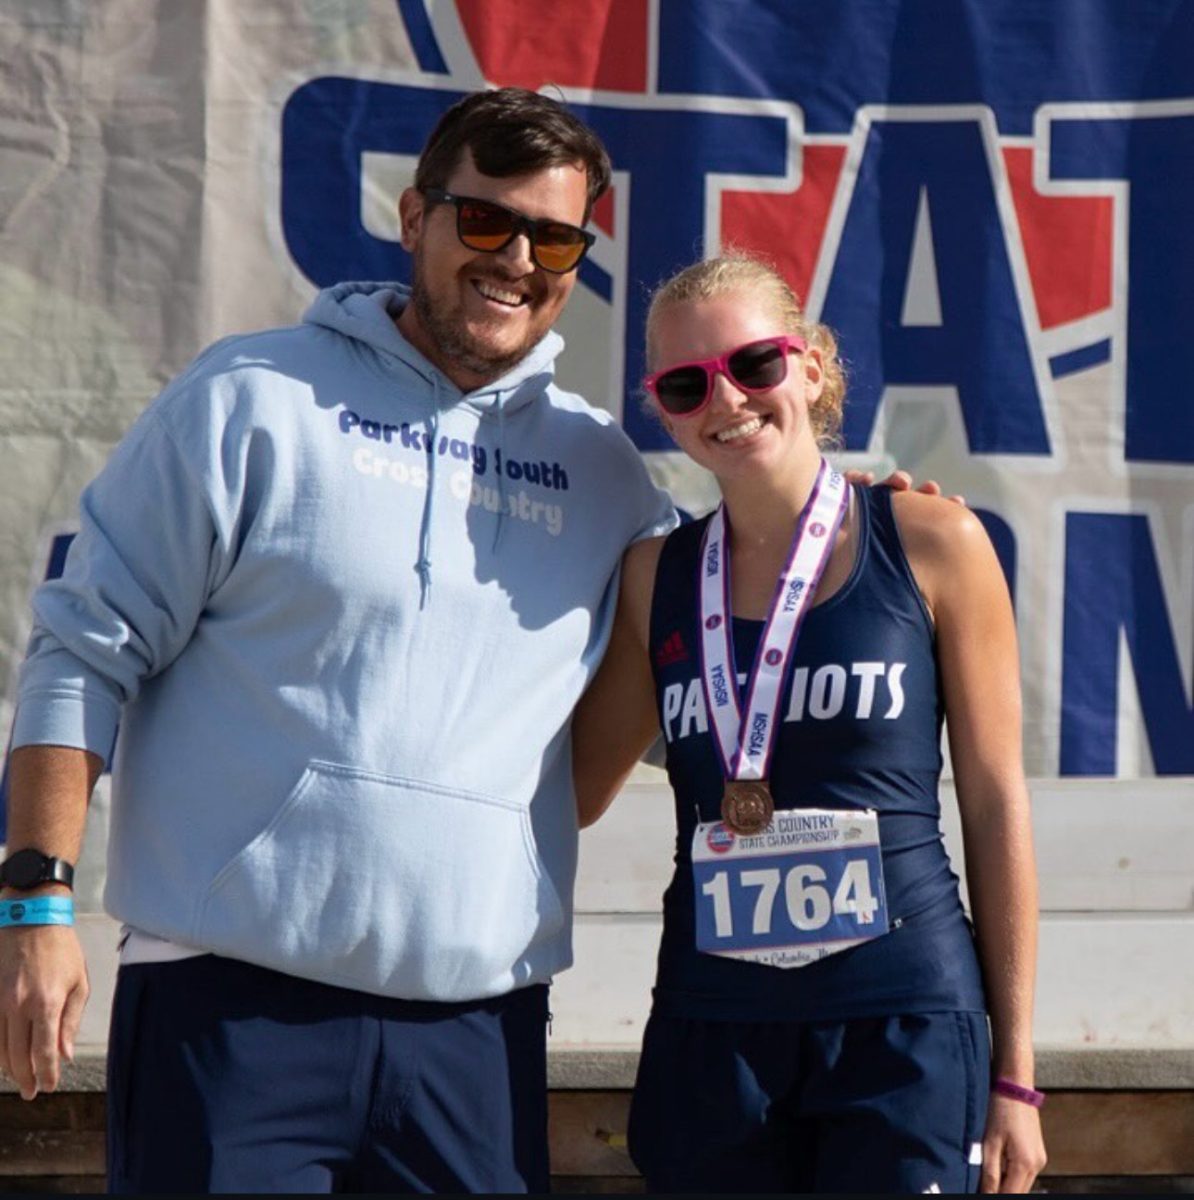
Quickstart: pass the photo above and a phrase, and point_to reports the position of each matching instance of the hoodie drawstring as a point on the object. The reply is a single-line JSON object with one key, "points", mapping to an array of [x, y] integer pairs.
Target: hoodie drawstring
{"points": [[423, 565], [501, 487]]}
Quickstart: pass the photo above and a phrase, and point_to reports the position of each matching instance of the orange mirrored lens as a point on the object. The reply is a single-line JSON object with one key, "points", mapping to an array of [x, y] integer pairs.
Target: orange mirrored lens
{"points": [[485, 226], [558, 256], [488, 228]]}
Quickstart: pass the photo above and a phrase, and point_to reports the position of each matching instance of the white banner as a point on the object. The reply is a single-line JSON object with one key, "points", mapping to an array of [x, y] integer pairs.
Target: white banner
{"points": [[1006, 252]]}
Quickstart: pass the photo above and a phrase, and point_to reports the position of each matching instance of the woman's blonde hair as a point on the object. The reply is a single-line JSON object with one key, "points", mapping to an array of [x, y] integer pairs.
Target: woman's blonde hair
{"points": [[761, 282]]}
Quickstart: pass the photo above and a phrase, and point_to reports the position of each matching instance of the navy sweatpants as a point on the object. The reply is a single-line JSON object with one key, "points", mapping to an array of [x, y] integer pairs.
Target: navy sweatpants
{"points": [[885, 1104], [224, 1076]]}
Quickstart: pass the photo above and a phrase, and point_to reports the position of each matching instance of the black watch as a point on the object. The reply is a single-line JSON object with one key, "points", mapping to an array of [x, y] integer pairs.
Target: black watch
{"points": [[29, 868]]}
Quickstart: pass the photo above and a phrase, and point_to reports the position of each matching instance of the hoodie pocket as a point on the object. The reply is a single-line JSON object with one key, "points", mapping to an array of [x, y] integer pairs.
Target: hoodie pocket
{"points": [[391, 885]]}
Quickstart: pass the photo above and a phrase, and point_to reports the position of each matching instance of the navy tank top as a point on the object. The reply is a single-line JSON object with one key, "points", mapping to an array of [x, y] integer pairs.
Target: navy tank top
{"points": [[861, 728]]}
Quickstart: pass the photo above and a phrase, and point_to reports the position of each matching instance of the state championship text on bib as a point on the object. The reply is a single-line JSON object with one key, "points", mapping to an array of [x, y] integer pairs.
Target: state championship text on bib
{"points": [[809, 885]]}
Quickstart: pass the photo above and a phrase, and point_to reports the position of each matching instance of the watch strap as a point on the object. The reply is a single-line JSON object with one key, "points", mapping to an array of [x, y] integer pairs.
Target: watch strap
{"points": [[30, 868]]}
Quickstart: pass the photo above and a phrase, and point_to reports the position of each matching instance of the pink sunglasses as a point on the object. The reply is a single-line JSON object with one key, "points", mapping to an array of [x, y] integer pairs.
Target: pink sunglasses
{"points": [[685, 389]]}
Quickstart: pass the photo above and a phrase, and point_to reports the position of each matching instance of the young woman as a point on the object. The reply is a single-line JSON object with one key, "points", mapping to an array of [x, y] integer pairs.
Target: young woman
{"points": [[820, 1019]]}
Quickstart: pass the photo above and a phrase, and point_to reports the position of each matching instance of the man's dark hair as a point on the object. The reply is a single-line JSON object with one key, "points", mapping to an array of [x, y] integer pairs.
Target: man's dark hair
{"points": [[511, 131]]}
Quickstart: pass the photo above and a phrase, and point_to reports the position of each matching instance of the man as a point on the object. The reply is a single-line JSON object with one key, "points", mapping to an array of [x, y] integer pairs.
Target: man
{"points": [[341, 585]]}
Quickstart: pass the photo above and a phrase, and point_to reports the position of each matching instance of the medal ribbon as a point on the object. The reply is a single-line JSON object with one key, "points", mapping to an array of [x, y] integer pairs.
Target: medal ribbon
{"points": [[745, 746]]}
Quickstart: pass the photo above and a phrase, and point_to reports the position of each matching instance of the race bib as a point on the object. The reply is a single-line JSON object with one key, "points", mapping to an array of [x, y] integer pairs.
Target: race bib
{"points": [[809, 885]]}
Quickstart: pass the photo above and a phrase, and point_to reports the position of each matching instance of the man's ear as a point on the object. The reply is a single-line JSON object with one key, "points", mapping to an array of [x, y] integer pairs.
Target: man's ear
{"points": [[410, 217]]}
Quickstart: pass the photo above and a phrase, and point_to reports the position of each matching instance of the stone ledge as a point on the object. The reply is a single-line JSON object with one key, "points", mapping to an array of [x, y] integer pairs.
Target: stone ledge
{"points": [[591, 1068], [88, 1073], [612, 1068], [1112, 1068], [577, 1068]]}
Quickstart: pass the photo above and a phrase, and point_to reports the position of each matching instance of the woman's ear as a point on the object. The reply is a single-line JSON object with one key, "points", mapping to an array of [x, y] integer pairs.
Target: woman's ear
{"points": [[814, 374]]}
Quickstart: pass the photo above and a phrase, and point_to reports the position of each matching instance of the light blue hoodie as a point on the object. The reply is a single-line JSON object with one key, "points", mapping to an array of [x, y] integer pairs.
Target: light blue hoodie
{"points": [[342, 613]]}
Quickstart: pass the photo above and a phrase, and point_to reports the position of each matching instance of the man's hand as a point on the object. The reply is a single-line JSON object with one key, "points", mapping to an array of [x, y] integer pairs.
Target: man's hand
{"points": [[43, 988], [901, 481]]}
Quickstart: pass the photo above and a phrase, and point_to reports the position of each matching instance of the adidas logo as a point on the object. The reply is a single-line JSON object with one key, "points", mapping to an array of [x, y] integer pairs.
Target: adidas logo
{"points": [[671, 651]]}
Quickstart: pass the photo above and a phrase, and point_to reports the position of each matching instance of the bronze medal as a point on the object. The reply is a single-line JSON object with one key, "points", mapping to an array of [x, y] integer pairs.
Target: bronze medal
{"points": [[746, 806]]}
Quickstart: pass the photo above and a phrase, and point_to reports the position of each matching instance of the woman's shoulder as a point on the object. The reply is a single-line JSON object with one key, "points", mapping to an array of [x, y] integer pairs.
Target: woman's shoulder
{"points": [[937, 529], [951, 556]]}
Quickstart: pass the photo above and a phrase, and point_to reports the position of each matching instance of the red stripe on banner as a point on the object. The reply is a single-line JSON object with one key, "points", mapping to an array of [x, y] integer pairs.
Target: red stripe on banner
{"points": [[603, 213], [787, 228], [1067, 241], [583, 44]]}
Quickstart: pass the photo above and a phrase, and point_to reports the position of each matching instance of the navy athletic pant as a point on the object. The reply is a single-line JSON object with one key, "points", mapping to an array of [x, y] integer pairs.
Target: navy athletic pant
{"points": [[885, 1104], [226, 1077]]}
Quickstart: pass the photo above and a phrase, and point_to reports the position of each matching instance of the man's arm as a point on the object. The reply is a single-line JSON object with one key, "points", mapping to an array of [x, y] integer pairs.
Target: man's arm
{"points": [[43, 977], [156, 536]]}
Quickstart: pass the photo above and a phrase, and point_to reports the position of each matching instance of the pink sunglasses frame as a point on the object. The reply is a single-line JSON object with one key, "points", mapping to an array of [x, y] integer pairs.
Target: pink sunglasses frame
{"points": [[721, 365]]}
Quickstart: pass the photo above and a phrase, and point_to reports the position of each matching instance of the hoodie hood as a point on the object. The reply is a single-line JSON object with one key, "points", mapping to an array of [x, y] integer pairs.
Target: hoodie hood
{"points": [[368, 312]]}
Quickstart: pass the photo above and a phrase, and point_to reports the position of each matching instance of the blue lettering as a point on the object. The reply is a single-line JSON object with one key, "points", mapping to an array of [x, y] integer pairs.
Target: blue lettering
{"points": [[1156, 157], [979, 347], [1112, 584], [327, 125], [669, 153], [721, 695]]}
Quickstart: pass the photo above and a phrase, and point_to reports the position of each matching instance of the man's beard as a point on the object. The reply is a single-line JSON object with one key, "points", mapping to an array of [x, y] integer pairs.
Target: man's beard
{"points": [[453, 341]]}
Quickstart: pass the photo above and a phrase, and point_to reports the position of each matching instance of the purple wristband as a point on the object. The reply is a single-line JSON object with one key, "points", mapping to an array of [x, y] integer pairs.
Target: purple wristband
{"points": [[1014, 1091]]}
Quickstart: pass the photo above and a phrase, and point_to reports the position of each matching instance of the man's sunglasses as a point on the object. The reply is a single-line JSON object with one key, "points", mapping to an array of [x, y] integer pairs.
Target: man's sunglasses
{"points": [[489, 227], [758, 366]]}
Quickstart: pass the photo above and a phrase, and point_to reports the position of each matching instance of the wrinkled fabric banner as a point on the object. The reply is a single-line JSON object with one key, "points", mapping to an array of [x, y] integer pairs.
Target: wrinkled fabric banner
{"points": [[988, 200]]}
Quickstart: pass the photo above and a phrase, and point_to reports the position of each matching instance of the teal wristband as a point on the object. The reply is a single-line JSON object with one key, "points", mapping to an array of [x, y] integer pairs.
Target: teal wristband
{"points": [[38, 910]]}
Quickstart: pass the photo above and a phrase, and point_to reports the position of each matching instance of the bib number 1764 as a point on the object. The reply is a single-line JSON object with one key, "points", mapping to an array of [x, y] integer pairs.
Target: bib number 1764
{"points": [[806, 900], [809, 886]]}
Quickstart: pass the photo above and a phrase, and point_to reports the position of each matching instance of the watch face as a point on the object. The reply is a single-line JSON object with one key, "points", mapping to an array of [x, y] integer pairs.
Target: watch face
{"points": [[25, 869]]}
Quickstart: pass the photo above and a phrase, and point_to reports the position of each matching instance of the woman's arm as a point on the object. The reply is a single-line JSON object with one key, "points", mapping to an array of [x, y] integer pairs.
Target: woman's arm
{"points": [[956, 568], [616, 718]]}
